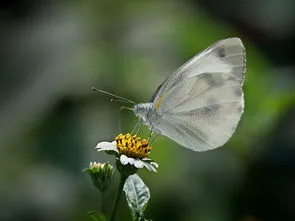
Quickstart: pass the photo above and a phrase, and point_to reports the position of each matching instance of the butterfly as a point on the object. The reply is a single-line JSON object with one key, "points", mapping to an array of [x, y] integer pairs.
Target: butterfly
{"points": [[200, 105]]}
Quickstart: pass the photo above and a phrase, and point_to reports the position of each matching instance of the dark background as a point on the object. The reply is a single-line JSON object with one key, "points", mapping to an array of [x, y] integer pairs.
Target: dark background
{"points": [[52, 52]]}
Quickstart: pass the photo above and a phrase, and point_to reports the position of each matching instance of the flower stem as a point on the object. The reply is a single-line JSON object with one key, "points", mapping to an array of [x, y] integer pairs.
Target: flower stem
{"points": [[102, 200], [118, 196]]}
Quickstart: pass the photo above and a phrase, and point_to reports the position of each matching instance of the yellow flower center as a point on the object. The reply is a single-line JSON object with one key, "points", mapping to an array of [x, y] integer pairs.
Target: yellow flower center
{"points": [[133, 146]]}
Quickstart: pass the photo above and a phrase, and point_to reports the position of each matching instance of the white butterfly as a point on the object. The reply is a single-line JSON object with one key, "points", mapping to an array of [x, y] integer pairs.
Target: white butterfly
{"points": [[200, 104]]}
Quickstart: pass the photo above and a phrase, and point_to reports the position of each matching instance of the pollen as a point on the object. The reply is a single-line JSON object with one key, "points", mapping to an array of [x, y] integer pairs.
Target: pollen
{"points": [[133, 146]]}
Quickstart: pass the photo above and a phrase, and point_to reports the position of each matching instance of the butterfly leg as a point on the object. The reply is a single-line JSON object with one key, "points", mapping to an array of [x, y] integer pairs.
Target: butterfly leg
{"points": [[136, 127], [152, 139], [151, 134]]}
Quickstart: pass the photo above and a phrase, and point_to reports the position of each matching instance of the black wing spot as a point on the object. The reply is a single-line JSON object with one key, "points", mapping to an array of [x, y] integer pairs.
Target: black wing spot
{"points": [[211, 110], [232, 78], [214, 108], [211, 100], [221, 52], [211, 80]]}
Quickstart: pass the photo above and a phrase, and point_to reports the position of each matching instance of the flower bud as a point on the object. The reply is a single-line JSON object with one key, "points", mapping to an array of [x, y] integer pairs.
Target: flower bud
{"points": [[101, 174]]}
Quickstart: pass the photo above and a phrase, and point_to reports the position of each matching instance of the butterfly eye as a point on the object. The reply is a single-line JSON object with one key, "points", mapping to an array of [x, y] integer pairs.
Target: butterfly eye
{"points": [[139, 108]]}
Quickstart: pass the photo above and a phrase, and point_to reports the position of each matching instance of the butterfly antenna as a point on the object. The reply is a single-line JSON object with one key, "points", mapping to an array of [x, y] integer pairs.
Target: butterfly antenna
{"points": [[113, 95], [118, 100]]}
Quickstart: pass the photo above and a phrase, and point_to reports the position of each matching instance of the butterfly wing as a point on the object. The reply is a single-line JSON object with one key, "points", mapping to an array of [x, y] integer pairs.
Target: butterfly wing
{"points": [[201, 103]]}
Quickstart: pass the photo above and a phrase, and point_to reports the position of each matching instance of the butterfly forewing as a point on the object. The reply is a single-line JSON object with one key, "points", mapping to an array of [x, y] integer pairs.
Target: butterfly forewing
{"points": [[201, 103], [225, 56]]}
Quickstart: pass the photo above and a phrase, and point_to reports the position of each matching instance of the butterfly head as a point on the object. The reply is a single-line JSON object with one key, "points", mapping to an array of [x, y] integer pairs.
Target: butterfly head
{"points": [[142, 110]]}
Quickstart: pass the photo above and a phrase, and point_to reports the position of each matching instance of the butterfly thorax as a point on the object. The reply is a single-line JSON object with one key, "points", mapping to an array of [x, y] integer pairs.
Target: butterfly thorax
{"points": [[147, 112]]}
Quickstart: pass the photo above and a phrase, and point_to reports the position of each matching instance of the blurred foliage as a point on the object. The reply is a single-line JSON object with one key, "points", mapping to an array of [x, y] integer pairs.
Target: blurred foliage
{"points": [[50, 120]]}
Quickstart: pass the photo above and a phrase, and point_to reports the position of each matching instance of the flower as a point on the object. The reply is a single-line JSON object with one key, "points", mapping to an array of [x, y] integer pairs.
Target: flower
{"points": [[101, 174], [130, 149]]}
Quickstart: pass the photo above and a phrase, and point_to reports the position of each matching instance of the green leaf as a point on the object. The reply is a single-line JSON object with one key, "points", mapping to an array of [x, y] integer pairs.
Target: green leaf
{"points": [[137, 195], [97, 216]]}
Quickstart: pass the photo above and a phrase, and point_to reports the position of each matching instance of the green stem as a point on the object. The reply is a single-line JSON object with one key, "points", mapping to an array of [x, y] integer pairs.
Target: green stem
{"points": [[102, 201], [118, 196]]}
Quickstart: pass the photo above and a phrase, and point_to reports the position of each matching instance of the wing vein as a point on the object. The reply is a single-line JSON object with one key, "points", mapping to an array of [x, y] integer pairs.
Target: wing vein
{"points": [[233, 55], [201, 107], [208, 89], [179, 125]]}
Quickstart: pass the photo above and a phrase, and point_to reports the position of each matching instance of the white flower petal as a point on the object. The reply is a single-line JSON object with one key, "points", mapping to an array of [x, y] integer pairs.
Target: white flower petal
{"points": [[131, 160], [146, 159], [138, 164], [104, 146], [154, 169], [151, 162], [154, 164], [124, 160], [149, 166]]}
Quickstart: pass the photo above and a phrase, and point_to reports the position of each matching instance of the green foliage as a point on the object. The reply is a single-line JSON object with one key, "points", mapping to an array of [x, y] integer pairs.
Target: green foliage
{"points": [[137, 196], [97, 216]]}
